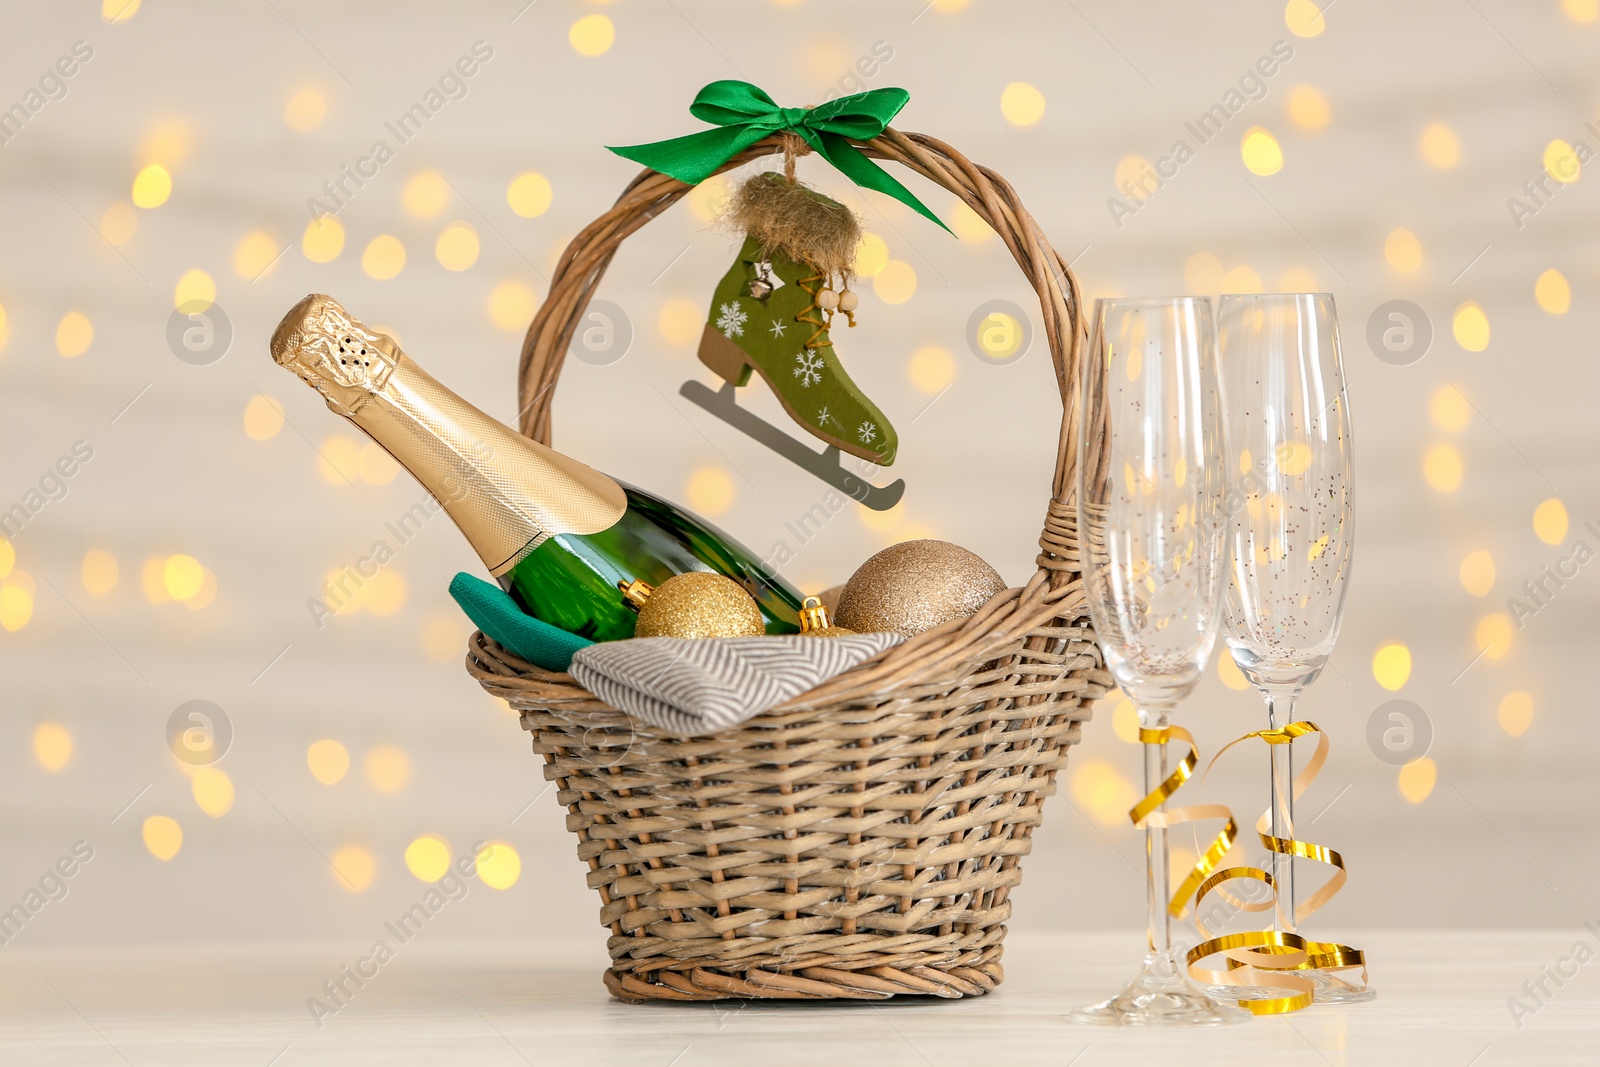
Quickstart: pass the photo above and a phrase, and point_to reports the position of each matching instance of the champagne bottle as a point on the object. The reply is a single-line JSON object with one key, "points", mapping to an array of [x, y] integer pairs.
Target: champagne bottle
{"points": [[558, 535]]}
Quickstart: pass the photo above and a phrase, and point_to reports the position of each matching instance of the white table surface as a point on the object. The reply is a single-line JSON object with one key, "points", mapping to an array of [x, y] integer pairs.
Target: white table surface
{"points": [[1442, 1000]]}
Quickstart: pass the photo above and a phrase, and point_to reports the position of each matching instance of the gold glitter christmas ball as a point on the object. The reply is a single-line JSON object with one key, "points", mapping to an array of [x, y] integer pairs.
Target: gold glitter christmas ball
{"points": [[915, 586], [699, 604]]}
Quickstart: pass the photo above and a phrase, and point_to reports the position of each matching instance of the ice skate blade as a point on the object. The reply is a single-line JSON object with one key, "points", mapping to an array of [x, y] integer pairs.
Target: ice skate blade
{"points": [[724, 404]]}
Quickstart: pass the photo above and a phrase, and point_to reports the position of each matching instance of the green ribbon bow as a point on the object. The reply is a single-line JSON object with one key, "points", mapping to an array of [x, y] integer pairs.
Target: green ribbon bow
{"points": [[743, 115]]}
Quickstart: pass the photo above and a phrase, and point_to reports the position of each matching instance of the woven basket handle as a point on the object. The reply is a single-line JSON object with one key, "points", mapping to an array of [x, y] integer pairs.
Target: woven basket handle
{"points": [[585, 260]]}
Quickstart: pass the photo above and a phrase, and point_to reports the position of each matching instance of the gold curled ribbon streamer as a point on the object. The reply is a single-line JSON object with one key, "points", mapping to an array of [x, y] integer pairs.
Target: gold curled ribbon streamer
{"points": [[1145, 814], [1265, 959]]}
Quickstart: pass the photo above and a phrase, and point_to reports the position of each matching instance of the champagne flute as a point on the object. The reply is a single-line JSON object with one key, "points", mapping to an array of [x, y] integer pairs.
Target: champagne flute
{"points": [[1152, 476], [1289, 430]]}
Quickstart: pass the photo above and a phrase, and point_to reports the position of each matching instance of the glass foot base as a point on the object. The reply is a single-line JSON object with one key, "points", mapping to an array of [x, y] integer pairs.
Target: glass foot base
{"points": [[1330, 989], [1160, 996]]}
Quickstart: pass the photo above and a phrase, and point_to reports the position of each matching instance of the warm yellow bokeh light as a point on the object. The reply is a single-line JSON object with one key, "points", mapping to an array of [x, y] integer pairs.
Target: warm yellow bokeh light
{"points": [[52, 745], [931, 368], [425, 194], [375, 465], [152, 186], [388, 768], [162, 836], [428, 857], [384, 594], [1129, 171], [1124, 717], [499, 865], [1550, 521], [444, 639], [1242, 280], [339, 460], [1229, 672], [1439, 145], [1561, 162], [119, 223], [896, 282], [195, 286], [529, 194], [328, 760], [115, 11], [254, 254], [1417, 778], [1297, 278], [1107, 795], [1391, 665], [1477, 572], [967, 224], [1471, 327], [99, 572], [1203, 273], [1441, 466], [384, 257], [16, 607], [153, 580], [305, 110], [1292, 458], [1304, 18], [1308, 108], [74, 335], [1552, 292], [1494, 634], [183, 576], [4, 331], [213, 791], [323, 240], [1021, 104], [1581, 10], [263, 418], [354, 867], [1403, 250], [592, 35], [680, 320], [872, 255], [8, 557], [457, 247], [511, 305], [882, 521], [709, 199], [1261, 152], [1515, 713], [1449, 409], [206, 594], [709, 491]]}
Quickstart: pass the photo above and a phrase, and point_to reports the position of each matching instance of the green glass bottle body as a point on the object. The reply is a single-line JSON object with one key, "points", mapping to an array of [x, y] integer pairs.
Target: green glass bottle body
{"points": [[558, 535], [571, 580]]}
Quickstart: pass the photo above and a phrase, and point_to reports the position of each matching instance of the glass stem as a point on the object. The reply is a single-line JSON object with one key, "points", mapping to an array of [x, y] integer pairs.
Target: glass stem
{"points": [[1155, 848], [1280, 712]]}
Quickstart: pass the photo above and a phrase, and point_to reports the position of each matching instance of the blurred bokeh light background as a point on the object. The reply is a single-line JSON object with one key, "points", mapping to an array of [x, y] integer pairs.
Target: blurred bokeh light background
{"points": [[212, 500]]}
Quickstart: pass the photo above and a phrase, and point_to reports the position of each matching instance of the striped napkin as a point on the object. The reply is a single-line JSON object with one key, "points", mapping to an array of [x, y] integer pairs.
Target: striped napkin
{"points": [[695, 687]]}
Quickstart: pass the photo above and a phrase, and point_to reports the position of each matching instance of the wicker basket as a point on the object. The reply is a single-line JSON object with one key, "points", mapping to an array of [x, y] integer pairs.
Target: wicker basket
{"points": [[862, 840]]}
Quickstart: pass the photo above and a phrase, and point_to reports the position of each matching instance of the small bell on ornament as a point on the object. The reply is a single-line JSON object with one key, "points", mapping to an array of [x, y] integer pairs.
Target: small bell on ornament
{"points": [[814, 620], [696, 604]]}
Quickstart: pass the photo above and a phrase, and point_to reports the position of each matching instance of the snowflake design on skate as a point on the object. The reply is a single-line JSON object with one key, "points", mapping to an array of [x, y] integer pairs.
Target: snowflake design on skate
{"points": [[824, 417], [731, 319], [867, 433], [777, 328], [808, 368]]}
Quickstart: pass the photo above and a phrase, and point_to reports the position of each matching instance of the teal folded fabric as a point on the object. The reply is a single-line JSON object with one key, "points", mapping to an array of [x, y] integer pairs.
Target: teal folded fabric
{"points": [[496, 614]]}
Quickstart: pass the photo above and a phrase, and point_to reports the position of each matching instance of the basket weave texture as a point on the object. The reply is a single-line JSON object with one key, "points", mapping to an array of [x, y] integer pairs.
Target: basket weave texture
{"points": [[862, 840]]}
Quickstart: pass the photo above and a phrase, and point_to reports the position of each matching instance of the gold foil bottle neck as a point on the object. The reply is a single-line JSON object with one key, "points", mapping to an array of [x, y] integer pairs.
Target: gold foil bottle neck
{"points": [[507, 494]]}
